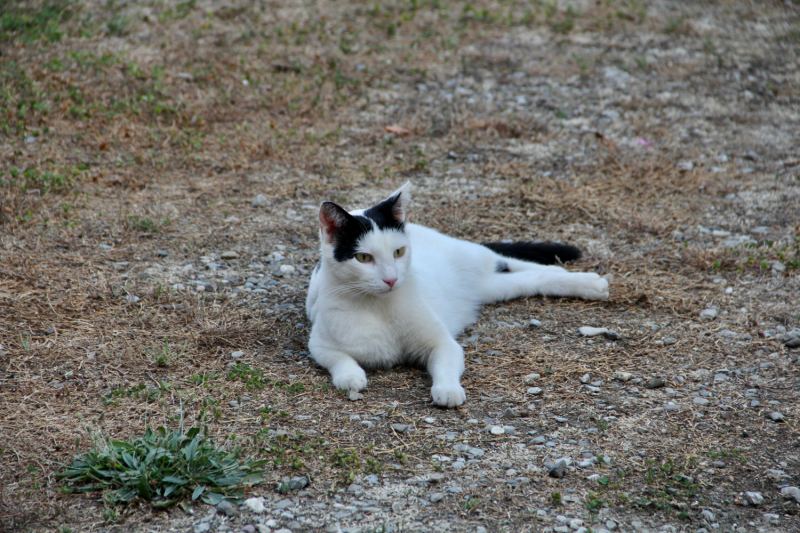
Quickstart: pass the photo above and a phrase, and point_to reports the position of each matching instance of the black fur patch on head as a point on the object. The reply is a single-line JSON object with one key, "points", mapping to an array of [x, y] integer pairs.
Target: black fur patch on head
{"points": [[544, 253], [346, 238], [387, 214]]}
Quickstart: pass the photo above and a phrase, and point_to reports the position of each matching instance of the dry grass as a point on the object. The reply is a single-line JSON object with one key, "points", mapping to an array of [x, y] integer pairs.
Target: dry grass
{"points": [[145, 137]]}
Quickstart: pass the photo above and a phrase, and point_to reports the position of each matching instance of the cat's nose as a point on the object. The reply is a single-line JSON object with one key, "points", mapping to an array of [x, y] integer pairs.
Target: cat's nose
{"points": [[390, 282]]}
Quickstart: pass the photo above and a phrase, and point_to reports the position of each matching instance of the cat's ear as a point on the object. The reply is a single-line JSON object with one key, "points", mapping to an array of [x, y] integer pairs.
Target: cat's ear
{"points": [[398, 201], [332, 219]]}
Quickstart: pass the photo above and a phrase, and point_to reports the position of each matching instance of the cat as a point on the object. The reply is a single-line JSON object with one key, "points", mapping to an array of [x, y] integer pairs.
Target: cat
{"points": [[386, 292]]}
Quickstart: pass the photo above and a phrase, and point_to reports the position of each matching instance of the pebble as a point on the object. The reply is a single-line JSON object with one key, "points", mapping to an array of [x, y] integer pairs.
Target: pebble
{"points": [[772, 519], [455, 489], [255, 504], [354, 396], [249, 528], [227, 508], [400, 428], [236, 355], [793, 343], [754, 498], [298, 483], [669, 341], [776, 417], [355, 487], [655, 383], [367, 424], [509, 413], [436, 497], [709, 314], [260, 201], [287, 269], [791, 492], [535, 323], [559, 469], [530, 378], [535, 391], [230, 254], [587, 331], [497, 430], [700, 401], [623, 376]]}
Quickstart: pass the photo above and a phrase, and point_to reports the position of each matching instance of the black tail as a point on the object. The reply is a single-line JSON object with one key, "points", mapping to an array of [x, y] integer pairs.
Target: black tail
{"points": [[544, 253]]}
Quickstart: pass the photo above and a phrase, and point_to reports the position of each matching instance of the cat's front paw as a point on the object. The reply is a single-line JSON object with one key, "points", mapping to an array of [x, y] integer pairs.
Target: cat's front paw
{"points": [[594, 288], [450, 395], [353, 380]]}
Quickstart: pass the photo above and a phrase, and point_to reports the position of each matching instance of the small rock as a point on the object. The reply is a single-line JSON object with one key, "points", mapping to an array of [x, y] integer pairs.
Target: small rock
{"points": [[754, 498], [623, 376], [793, 343], [355, 487], [772, 519], [255, 504], [430, 420], [586, 378], [164, 253], [685, 166], [497, 430], [227, 508], [230, 254], [789, 493], [669, 341], [202, 527], [530, 379], [400, 428], [354, 396], [287, 269], [700, 401], [298, 483], [509, 413], [535, 391], [455, 489], [368, 424], [237, 355], [655, 383], [559, 469], [535, 323], [233, 403], [587, 331], [248, 528], [709, 314], [777, 417], [436, 497], [260, 201]]}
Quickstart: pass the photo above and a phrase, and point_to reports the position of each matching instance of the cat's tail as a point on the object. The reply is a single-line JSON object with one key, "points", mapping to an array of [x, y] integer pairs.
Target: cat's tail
{"points": [[544, 253]]}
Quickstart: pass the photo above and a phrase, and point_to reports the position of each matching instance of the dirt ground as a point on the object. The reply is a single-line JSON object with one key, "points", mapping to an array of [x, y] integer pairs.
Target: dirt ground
{"points": [[139, 269]]}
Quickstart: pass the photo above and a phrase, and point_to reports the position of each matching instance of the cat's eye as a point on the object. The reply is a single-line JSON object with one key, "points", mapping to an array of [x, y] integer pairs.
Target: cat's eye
{"points": [[399, 252], [363, 258]]}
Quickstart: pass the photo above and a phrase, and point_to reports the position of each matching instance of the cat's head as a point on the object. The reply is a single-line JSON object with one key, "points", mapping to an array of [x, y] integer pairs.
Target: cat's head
{"points": [[368, 250]]}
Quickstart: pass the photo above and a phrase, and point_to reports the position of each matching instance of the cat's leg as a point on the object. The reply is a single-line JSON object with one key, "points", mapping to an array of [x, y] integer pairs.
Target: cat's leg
{"points": [[516, 265], [445, 365], [345, 371], [509, 285]]}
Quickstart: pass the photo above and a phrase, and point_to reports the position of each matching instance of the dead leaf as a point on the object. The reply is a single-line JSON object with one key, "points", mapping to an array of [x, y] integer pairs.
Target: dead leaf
{"points": [[399, 130]]}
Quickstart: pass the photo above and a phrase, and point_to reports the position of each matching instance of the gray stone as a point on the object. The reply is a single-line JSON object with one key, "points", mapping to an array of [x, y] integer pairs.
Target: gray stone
{"points": [[248, 528], [297, 483], [700, 401], [777, 417], [227, 508], [367, 424], [436, 497], [372, 479], [623, 376], [202, 527], [260, 201], [655, 383], [709, 314], [230, 254], [284, 504], [587, 331], [530, 379], [455, 489], [789, 493], [355, 487], [353, 395], [708, 515], [771, 518], [400, 428], [535, 323], [559, 469], [535, 391], [793, 343], [754, 498], [611, 525], [509, 413], [669, 341]]}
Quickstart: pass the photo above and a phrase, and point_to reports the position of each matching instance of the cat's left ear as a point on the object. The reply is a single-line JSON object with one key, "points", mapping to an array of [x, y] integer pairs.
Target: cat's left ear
{"points": [[398, 201]]}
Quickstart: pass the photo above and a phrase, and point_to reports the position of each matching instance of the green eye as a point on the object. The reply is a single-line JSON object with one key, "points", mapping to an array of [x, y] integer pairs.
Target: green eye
{"points": [[364, 258], [399, 252]]}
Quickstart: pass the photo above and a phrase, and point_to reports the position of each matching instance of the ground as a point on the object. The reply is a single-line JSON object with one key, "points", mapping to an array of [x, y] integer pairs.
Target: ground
{"points": [[144, 282]]}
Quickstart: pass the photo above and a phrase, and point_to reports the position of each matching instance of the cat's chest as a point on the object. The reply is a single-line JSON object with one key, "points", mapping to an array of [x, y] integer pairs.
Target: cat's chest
{"points": [[372, 336]]}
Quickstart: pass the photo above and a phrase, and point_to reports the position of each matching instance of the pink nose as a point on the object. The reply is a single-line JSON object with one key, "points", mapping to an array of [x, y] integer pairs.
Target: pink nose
{"points": [[390, 282]]}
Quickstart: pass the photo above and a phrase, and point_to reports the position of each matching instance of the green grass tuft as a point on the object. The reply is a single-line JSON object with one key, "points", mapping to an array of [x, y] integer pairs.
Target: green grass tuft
{"points": [[162, 468]]}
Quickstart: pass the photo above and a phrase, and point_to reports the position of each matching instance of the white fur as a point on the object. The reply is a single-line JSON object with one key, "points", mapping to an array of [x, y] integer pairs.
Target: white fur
{"points": [[358, 322]]}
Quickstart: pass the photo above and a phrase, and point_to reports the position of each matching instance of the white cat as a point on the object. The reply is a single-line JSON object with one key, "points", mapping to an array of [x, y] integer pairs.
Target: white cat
{"points": [[387, 292]]}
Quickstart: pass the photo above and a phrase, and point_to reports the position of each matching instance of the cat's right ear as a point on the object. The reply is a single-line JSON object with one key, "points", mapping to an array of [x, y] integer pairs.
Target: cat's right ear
{"points": [[332, 219]]}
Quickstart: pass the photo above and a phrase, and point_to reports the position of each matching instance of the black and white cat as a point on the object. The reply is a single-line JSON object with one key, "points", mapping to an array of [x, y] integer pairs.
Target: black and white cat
{"points": [[387, 292]]}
